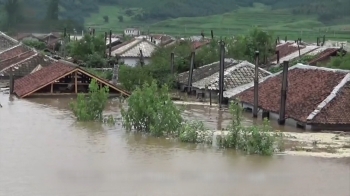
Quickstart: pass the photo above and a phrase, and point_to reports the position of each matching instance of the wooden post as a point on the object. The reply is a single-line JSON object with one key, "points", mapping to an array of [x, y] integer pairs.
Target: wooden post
{"points": [[221, 73], [210, 97], [11, 81], [142, 62], [76, 82], [110, 43], [51, 91], [189, 85], [256, 85], [282, 113], [172, 57]]}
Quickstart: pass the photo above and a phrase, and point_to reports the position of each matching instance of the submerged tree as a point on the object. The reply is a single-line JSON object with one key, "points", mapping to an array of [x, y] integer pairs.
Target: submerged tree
{"points": [[90, 107]]}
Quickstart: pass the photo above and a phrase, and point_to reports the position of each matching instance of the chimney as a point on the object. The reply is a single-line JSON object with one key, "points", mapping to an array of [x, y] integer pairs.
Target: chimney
{"points": [[68, 37], [282, 114], [256, 85], [278, 56], [110, 43], [318, 41], [324, 40], [142, 62], [152, 39], [212, 34], [65, 33], [221, 73], [93, 32], [285, 39], [297, 41], [172, 62], [189, 85], [202, 34]]}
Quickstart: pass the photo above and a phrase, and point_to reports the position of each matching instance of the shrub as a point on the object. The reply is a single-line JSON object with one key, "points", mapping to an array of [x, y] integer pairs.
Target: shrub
{"points": [[251, 139], [194, 132], [151, 110], [90, 107]]}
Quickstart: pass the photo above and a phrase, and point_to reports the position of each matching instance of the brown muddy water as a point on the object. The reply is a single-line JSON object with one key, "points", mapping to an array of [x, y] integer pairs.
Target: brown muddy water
{"points": [[43, 151]]}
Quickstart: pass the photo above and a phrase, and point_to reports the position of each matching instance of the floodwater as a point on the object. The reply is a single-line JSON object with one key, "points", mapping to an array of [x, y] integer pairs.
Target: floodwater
{"points": [[43, 151]]}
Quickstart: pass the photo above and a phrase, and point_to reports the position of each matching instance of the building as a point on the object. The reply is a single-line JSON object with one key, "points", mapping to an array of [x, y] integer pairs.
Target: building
{"points": [[323, 55], [205, 79], [317, 98], [6, 42], [60, 78], [130, 52], [132, 32]]}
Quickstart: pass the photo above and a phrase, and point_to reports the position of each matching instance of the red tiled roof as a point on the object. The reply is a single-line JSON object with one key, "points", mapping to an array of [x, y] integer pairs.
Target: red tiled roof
{"points": [[46, 75], [13, 52], [199, 44], [285, 50], [338, 110], [306, 89], [41, 78], [324, 54], [16, 59]]}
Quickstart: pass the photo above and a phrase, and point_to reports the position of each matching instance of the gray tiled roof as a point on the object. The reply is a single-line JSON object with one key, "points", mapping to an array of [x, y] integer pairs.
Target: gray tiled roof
{"points": [[6, 42], [237, 75], [26, 67], [205, 71], [132, 49]]}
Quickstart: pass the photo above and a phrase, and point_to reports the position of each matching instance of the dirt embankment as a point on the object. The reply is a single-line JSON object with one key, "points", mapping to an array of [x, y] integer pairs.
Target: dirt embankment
{"points": [[332, 145]]}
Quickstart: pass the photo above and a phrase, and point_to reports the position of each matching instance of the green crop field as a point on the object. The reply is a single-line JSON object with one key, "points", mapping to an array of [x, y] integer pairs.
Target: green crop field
{"points": [[281, 22]]}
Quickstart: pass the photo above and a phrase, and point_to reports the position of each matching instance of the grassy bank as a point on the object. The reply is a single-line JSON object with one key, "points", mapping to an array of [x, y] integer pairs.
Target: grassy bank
{"points": [[282, 22]]}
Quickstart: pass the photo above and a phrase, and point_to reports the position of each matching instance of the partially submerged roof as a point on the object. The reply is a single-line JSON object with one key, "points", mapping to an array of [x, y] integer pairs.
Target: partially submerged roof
{"points": [[6, 42], [315, 95], [323, 54], [33, 82], [205, 71], [293, 52], [132, 48], [234, 76]]}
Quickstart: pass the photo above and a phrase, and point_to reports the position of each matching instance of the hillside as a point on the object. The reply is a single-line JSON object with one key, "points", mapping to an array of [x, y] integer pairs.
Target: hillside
{"points": [[304, 18]]}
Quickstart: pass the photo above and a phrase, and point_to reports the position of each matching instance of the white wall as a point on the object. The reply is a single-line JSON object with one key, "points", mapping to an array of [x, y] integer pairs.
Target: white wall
{"points": [[129, 32], [134, 61]]}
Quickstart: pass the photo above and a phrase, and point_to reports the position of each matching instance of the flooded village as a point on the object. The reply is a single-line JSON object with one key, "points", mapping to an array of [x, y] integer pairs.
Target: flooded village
{"points": [[44, 150]]}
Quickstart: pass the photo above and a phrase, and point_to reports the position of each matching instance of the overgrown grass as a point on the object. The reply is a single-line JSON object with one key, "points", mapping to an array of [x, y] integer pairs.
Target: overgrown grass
{"points": [[281, 21]]}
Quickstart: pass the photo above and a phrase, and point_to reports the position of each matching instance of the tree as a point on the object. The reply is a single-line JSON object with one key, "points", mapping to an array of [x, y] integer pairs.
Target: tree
{"points": [[89, 48], [121, 18], [106, 19], [90, 107]]}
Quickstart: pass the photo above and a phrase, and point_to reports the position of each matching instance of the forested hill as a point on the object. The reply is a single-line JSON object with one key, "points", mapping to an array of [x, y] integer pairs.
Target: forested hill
{"points": [[157, 10]]}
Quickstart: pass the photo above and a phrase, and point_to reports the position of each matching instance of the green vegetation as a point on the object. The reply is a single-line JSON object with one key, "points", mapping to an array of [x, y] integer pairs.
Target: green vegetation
{"points": [[90, 107], [251, 139], [150, 110], [340, 62], [35, 44]]}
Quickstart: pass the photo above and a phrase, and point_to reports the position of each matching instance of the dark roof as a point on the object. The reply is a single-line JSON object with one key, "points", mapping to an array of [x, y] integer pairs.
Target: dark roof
{"points": [[308, 86], [323, 55], [32, 82], [337, 111], [6, 41], [286, 49], [204, 71], [27, 66], [14, 56]]}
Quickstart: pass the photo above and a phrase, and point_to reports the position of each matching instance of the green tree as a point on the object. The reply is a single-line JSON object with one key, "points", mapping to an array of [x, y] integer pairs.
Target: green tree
{"points": [[89, 49], [90, 107], [340, 62], [151, 110]]}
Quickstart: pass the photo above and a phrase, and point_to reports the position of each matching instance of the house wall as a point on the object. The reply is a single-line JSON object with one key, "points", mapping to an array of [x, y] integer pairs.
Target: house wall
{"points": [[134, 61], [132, 32], [275, 116]]}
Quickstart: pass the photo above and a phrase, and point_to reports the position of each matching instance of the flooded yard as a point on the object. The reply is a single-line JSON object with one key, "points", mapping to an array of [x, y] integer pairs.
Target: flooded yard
{"points": [[44, 151]]}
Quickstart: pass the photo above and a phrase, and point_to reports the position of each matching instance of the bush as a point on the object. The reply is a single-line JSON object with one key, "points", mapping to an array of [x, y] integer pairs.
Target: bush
{"points": [[90, 107], [151, 110], [251, 139], [35, 44], [194, 132], [132, 77]]}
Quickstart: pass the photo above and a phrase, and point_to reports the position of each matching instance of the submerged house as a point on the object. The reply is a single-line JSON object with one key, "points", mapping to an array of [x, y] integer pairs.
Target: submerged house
{"points": [[205, 79], [130, 52], [60, 78], [317, 98]]}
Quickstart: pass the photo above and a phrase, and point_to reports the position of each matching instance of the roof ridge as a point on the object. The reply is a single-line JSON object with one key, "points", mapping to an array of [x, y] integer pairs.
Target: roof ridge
{"points": [[136, 43], [131, 45], [18, 55], [329, 98], [6, 68], [8, 49], [8, 37], [226, 60]]}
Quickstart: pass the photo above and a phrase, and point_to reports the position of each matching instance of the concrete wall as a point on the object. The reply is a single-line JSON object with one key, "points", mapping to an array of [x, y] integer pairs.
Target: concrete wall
{"points": [[134, 61]]}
